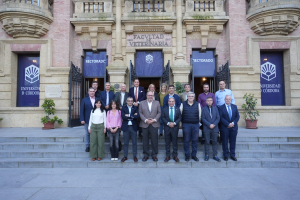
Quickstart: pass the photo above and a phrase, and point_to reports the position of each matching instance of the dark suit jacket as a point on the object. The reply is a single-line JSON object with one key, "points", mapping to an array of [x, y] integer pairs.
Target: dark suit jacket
{"points": [[97, 94], [118, 98], [133, 118], [146, 114], [141, 95], [166, 118], [224, 117], [207, 120], [103, 97], [85, 109], [177, 100]]}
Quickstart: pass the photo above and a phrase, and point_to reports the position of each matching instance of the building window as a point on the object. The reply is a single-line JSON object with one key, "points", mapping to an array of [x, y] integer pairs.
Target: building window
{"points": [[28, 81]]}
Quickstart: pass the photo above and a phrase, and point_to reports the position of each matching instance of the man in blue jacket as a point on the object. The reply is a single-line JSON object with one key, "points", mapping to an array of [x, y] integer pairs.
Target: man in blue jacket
{"points": [[87, 104], [106, 96], [171, 94], [210, 118], [229, 117], [130, 116]]}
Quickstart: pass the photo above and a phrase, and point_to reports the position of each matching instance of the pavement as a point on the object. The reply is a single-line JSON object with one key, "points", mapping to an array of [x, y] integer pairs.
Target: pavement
{"points": [[146, 183]]}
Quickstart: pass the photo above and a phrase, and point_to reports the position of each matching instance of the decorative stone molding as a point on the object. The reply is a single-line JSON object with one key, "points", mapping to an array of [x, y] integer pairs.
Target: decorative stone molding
{"points": [[93, 17], [22, 19], [131, 27], [276, 17]]}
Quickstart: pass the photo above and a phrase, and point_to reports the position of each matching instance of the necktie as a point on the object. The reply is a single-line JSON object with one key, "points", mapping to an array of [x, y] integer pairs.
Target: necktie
{"points": [[171, 115], [210, 112], [229, 112], [136, 94]]}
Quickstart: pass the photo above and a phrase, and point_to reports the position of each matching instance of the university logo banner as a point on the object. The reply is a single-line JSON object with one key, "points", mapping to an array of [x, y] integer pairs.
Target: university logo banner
{"points": [[149, 63], [95, 64]]}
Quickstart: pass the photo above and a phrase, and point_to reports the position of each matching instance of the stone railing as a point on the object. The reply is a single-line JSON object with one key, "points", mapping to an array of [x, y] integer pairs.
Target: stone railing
{"points": [[273, 17], [204, 8], [101, 9], [148, 6], [26, 18]]}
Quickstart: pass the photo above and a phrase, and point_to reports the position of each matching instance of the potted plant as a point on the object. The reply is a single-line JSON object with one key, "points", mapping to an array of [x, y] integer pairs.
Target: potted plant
{"points": [[179, 88], [250, 112], [48, 106]]}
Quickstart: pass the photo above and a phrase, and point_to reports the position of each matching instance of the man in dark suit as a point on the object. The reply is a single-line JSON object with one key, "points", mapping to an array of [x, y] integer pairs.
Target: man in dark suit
{"points": [[106, 96], [121, 97], [210, 118], [87, 104], [150, 112], [138, 95], [172, 94], [229, 117], [171, 117], [97, 92], [130, 116]]}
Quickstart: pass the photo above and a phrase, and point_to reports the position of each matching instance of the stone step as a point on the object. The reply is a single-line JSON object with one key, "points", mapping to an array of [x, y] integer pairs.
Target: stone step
{"points": [[161, 139], [107, 163], [81, 154], [81, 145]]}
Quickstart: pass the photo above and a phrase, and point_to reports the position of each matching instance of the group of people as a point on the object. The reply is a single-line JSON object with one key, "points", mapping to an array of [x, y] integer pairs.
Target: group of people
{"points": [[155, 114]]}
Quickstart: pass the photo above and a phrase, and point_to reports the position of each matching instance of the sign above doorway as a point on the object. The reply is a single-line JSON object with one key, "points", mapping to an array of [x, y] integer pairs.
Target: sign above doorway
{"points": [[149, 40]]}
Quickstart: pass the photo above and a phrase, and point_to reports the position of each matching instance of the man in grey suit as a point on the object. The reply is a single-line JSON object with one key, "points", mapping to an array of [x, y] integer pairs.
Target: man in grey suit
{"points": [[210, 118], [150, 112], [121, 96], [171, 117]]}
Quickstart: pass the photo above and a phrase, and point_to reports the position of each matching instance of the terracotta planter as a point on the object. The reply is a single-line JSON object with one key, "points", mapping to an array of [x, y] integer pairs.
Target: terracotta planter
{"points": [[251, 125], [49, 125]]}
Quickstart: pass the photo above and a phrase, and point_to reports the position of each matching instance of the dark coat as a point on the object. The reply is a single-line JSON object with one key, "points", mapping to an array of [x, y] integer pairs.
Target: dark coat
{"points": [[103, 97], [133, 118], [207, 120], [118, 98], [85, 109], [141, 95], [166, 118], [224, 117]]}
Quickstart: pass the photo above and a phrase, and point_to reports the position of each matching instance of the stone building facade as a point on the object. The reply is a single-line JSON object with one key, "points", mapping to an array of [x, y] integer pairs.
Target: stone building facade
{"points": [[59, 32]]}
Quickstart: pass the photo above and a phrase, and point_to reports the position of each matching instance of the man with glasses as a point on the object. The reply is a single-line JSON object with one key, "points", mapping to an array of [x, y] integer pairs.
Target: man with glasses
{"points": [[97, 92], [106, 96], [191, 116]]}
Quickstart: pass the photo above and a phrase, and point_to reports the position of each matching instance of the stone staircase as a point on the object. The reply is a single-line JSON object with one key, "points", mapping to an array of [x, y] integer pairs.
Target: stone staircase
{"points": [[64, 147]]}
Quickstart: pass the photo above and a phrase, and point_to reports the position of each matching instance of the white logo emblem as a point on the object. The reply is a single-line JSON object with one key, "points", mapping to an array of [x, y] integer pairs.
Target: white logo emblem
{"points": [[32, 74], [268, 71], [149, 59]]}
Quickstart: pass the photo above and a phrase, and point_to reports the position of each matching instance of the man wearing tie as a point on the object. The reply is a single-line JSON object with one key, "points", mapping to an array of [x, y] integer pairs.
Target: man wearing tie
{"points": [[171, 118], [150, 112], [87, 104], [138, 95], [229, 117], [130, 116], [106, 96], [121, 96], [210, 118]]}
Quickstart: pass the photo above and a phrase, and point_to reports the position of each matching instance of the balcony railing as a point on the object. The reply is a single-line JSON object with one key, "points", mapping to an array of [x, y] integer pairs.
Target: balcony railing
{"points": [[93, 7], [204, 6], [45, 5], [203, 9], [148, 6]]}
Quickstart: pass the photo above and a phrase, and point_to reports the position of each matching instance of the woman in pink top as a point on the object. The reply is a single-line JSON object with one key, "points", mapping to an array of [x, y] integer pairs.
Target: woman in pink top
{"points": [[113, 125]]}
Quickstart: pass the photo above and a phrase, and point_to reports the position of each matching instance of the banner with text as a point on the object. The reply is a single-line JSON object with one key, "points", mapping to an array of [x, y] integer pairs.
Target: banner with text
{"points": [[95, 64], [149, 40], [149, 63], [204, 64], [28, 81], [271, 79]]}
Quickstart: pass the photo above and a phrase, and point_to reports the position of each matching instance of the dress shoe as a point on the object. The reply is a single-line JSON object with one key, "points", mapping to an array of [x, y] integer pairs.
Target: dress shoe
{"points": [[216, 158], [124, 159], [99, 159], [187, 158], [233, 158], [226, 158], [206, 158], [160, 135], [176, 159], [145, 158], [167, 159], [195, 158], [202, 141], [93, 159], [87, 149], [135, 159], [154, 158]]}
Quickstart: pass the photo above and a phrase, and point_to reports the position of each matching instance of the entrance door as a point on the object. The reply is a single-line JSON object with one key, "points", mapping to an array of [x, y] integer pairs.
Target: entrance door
{"points": [[145, 82], [200, 81]]}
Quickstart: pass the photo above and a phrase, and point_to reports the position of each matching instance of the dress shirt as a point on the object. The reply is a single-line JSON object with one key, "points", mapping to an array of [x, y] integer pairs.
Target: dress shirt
{"points": [[220, 96], [113, 120], [97, 117], [202, 99], [129, 121], [107, 98], [93, 101], [228, 111], [122, 98], [173, 114]]}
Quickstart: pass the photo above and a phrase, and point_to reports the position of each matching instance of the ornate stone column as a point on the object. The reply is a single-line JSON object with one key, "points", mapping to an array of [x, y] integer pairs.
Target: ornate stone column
{"points": [[181, 68]]}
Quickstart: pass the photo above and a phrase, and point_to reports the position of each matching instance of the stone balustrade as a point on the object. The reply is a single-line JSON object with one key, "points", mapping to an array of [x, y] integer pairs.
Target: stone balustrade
{"points": [[101, 9], [26, 18], [204, 9], [273, 17]]}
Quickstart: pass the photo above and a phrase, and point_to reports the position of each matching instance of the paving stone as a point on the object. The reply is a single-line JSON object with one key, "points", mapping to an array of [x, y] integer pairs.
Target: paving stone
{"points": [[62, 193], [17, 193]]}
